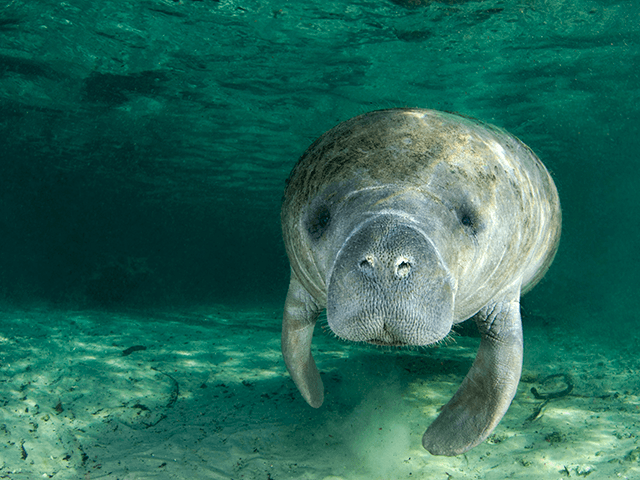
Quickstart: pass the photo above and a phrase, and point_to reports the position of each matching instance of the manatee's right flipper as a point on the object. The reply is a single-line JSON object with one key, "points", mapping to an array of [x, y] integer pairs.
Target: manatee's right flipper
{"points": [[486, 392], [300, 314]]}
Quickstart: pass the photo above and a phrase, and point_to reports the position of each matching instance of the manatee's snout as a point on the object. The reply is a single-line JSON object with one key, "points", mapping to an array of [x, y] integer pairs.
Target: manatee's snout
{"points": [[388, 286]]}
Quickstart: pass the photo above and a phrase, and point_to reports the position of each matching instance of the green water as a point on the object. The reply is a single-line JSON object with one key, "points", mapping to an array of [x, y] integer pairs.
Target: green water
{"points": [[145, 144]]}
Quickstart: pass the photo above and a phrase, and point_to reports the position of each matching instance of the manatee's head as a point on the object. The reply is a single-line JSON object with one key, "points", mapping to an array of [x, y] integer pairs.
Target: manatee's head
{"points": [[389, 286]]}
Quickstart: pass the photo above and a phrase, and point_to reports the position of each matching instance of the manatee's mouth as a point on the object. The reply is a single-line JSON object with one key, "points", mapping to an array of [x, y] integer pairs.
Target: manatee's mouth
{"points": [[386, 344], [385, 338]]}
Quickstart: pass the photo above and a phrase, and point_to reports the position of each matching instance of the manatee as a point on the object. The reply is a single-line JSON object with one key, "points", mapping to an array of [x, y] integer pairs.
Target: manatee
{"points": [[404, 222]]}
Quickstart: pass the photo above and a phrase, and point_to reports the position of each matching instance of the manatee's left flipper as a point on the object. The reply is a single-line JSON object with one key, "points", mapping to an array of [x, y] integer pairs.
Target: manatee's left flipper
{"points": [[487, 390], [300, 315]]}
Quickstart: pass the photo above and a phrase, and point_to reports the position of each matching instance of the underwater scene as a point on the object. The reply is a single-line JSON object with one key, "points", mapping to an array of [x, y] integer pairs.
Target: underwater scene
{"points": [[166, 244]]}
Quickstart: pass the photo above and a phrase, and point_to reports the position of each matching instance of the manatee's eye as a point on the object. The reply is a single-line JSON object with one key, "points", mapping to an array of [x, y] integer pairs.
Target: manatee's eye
{"points": [[319, 221], [323, 218], [469, 218]]}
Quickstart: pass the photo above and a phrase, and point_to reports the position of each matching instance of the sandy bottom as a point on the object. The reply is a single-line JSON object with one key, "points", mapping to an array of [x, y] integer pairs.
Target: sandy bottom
{"points": [[209, 398]]}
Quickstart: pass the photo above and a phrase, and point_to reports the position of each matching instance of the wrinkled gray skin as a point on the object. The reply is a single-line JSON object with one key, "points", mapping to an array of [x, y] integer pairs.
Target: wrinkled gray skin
{"points": [[404, 222]]}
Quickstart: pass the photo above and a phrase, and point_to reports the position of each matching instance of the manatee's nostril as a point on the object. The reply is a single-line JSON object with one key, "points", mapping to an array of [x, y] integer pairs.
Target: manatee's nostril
{"points": [[367, 263], [403, 268]]}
